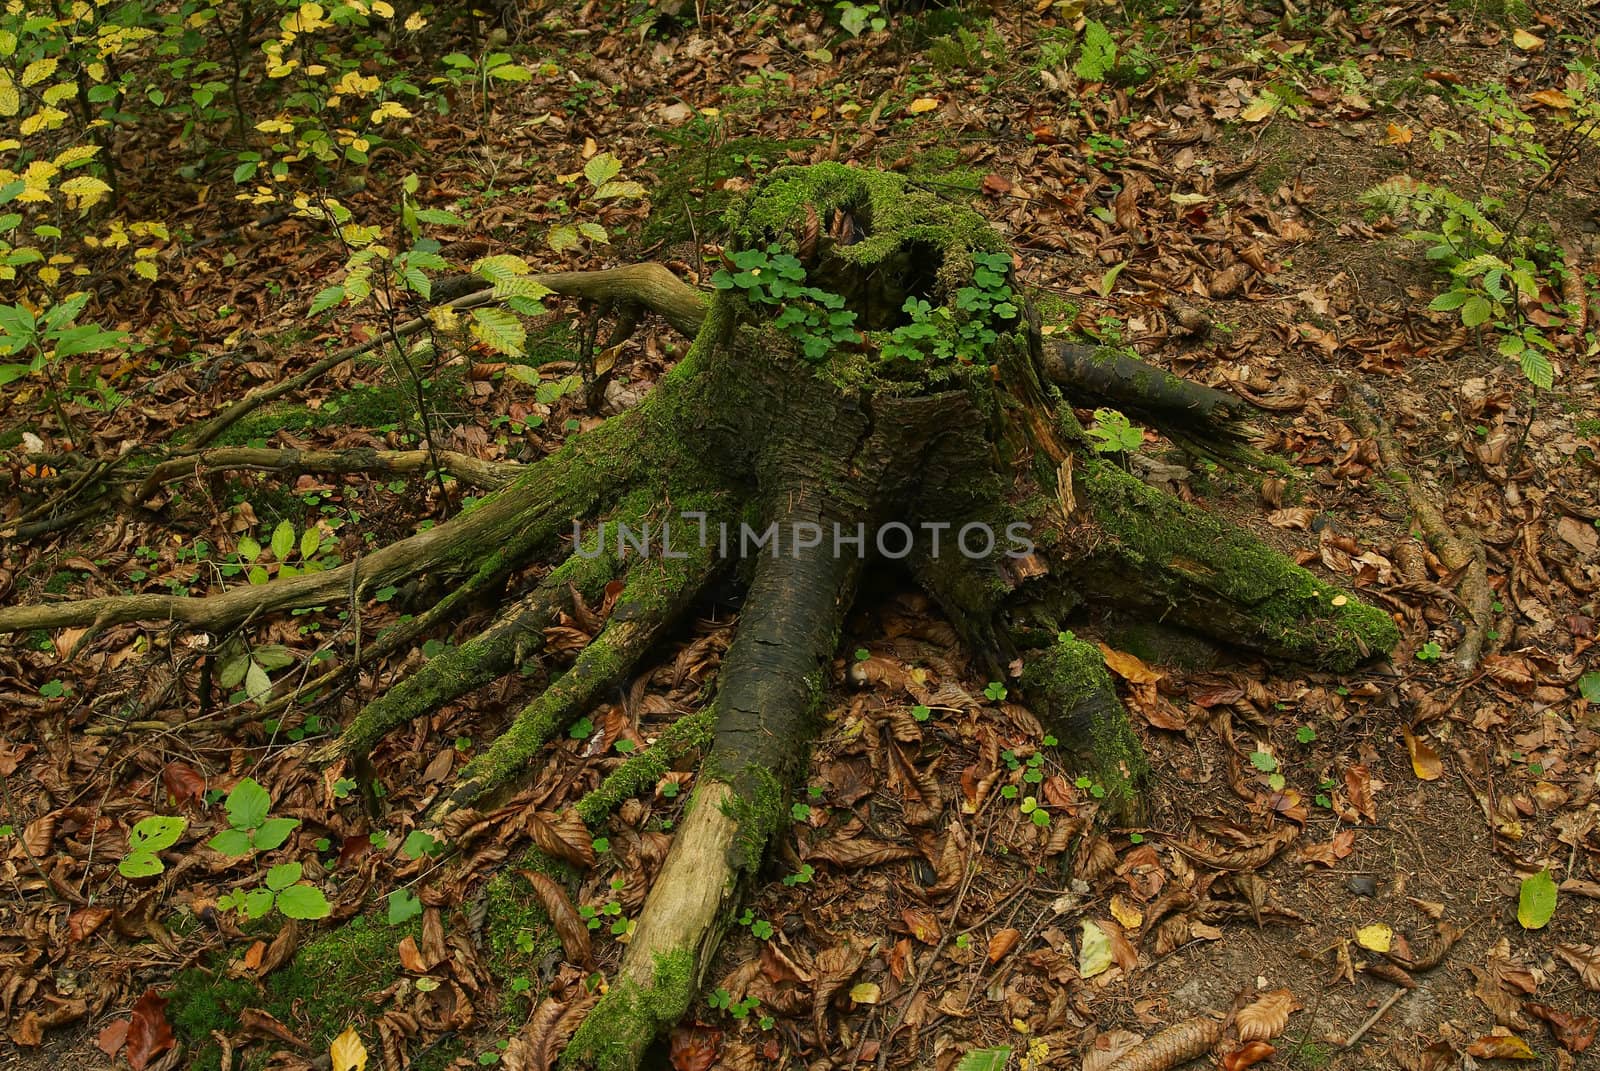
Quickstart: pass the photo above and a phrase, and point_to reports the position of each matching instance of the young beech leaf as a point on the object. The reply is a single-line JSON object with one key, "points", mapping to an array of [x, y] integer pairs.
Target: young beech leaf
{"points": [[403, 906], [248, 804], [283, 875], [1537, 901], [273, 832], [985, 1059], [304, 902], [283, 540], [231, 842]]}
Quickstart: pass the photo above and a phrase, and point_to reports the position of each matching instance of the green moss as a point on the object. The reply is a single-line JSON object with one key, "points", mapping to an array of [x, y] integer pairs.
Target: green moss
{"points": [[1053, 308], [759, 804], [315, 995], [893, 216], [630, 1016], [1070, 681], [688, 198], [644, 770], [518, 932], [1180, 548]]}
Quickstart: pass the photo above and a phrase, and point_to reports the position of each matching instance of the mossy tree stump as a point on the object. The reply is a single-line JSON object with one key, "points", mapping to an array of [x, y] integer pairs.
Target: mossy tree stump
{"points": [[866, 366]]}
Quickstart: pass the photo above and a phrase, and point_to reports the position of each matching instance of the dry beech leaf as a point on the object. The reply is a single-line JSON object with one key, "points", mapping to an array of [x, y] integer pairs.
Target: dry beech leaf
{"points": [[1572, 1032], [1501, 1047], [538, 1044], [1247, 1055], [1129, 667], [1001, 944], [1585, 959], [1425, 762], [572, 930], [149, 1033], [1266, 1017]]}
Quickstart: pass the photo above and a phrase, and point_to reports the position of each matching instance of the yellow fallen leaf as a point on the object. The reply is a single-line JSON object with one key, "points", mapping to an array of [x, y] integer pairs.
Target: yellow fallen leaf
{"points": [[1397, 135], [864, 992], [1126, 913], [922, 104], [1129, 667], [1552, 98], [1259, 108], [1526, 41], [347, 1052], [1375, 938]]}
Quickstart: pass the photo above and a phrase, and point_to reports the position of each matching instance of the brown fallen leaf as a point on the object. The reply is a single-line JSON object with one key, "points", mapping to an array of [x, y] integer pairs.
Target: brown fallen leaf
{"points": [[149, 1033], [1425, 762], [1501, 1047], [1572, 1032], [572, 930], [1001, 944], [1247, 1055], [1130, 668], [1585, 959], [110, 1039], [851, 853], [1266, 1017], [537, 1044]]}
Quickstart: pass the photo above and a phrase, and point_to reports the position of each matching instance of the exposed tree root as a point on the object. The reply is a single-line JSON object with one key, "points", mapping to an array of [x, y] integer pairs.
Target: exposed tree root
{"points": [[1203, 421], [517, 633], [655, 594], [470, 470], [506, 527], [691, 732], [770, 685], [1458, 547]]}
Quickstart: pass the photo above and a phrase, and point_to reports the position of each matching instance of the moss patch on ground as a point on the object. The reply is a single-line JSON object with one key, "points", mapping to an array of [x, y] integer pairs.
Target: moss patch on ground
{"points": [[315, 995]]}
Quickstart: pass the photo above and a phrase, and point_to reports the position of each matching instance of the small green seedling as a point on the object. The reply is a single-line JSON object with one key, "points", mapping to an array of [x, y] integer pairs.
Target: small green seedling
{"points": [[148, 837], [249, 829]]}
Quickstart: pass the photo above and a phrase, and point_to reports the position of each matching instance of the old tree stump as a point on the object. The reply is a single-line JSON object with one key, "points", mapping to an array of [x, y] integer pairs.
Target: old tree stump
{"points": [[865, 365]]}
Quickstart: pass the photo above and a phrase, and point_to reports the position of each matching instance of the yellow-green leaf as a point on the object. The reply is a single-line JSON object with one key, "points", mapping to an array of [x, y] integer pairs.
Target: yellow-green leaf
{"points": [[39, 70], [602, 169], [347, 1052], [498, 329], [1537, 901], [1094, 952]]}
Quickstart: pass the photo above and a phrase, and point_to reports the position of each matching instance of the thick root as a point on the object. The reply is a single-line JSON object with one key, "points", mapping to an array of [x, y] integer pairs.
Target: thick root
{"points": [[656, 593], [1203, 421], [506, 527], [514, 635], [1192, 569], [1069, 687], [689, 733], [1459, 548], [770, 686]]}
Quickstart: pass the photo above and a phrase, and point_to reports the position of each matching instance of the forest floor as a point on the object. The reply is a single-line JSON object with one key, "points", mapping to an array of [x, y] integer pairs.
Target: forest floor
{"points": [[1202, 198]]}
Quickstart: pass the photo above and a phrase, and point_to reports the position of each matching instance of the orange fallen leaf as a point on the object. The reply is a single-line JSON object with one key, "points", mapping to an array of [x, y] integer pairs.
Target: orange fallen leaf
{"points": [[1425, 762], [1129, 667], [1501, 1047], [1396, 134]]}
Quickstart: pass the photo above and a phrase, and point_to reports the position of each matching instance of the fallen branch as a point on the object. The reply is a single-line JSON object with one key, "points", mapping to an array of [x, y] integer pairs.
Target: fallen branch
{"points": [[467, 469], [649, 284]]}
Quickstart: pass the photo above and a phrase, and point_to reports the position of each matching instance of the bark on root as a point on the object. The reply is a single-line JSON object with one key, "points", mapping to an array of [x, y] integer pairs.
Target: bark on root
{"points": [[1458, 547]]}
